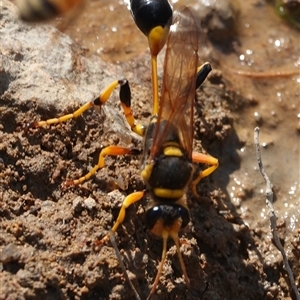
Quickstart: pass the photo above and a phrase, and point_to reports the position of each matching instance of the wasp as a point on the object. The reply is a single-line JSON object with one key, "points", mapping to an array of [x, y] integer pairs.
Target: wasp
{"points": [[168, 161], [42, 10]]}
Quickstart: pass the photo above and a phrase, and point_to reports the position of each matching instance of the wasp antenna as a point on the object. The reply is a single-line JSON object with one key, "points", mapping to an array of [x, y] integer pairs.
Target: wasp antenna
{"points": [[182, 265], [163, 258]]}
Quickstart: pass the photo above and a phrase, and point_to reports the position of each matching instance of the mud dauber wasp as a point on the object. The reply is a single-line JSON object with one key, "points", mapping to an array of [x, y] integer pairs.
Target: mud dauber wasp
{"points": [[167, 160]]}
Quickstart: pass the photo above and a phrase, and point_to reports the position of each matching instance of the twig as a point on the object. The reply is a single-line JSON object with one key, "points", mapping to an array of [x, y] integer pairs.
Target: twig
{"points": [[273, 217], [262, 75], [114, 244]]}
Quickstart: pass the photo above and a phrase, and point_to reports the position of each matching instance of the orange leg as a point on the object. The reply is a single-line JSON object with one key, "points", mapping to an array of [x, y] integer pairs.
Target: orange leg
{"points": [[125, 98], [98, 102], [130, 199], [203, 159], [110, 150]]}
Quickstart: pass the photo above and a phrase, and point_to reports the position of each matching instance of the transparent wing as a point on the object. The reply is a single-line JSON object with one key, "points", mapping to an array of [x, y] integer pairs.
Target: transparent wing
{"points": [[178, 91]]}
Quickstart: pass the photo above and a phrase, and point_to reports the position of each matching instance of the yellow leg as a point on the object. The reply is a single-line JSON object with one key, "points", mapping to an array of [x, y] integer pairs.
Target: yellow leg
{"points": [[204, 159], [125, 97], [61, 119], [110, 150], [130, 199], [105, 94]]}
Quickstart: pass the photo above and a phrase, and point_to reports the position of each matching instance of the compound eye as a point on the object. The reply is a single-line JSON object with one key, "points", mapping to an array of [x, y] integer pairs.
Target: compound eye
{"points": [[153, 215], [185, 216]]}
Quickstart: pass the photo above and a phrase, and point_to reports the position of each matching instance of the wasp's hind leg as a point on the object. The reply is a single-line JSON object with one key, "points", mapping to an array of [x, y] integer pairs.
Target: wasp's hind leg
{"points": [[97, 103], [202, 73], [203, 159], [125, 98]]}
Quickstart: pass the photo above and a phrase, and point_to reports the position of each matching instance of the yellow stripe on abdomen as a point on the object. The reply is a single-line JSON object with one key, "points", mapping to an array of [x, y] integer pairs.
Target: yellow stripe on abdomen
{"points": [[168, 193]]}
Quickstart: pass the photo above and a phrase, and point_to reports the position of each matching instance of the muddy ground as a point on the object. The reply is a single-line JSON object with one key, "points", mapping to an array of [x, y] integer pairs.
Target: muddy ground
{"points": [[48, 231]]}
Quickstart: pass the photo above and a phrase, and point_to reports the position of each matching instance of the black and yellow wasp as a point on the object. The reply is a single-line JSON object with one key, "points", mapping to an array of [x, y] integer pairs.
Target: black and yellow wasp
{"points": [[168, 160], [42, 10]]}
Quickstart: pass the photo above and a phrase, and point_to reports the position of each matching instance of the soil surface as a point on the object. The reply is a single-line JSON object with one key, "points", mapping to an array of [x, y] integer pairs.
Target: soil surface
{"points": [[48, 231]]}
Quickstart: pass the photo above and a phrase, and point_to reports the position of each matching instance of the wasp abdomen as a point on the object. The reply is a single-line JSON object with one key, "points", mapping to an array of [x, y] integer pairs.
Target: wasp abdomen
{"points": [[150, 14]]}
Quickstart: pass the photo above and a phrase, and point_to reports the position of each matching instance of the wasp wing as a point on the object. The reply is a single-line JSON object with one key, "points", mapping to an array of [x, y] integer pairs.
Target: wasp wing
{"points": [[179, 83]]}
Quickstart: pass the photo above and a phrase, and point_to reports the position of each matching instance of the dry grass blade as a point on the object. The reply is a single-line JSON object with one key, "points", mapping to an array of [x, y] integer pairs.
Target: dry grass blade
{"points": [[263, 75], [273, 217], [114, 244]]}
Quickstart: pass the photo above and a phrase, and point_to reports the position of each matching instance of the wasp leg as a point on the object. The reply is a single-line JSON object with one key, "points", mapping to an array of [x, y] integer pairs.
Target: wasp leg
{"points": [[203, 159], [130, 199], [61, 119], [125, 97], [111, 151], [202, 73], [98, 102]]}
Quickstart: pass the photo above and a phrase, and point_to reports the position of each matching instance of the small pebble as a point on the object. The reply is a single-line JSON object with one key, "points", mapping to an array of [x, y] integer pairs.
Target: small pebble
{"points": [[90, 203]]}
